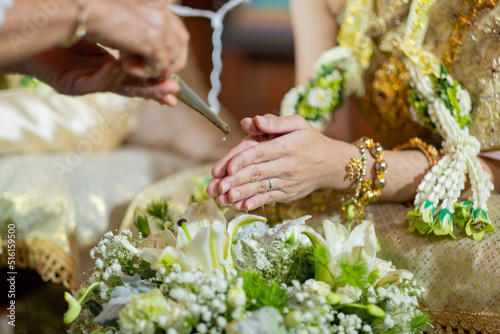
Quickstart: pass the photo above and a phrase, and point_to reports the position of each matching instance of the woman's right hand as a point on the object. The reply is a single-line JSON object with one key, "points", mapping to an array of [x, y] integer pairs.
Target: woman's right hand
{"points": [[297, 157], [152, 39]]}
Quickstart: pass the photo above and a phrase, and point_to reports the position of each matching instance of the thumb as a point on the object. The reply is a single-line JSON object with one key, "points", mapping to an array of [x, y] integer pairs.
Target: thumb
{"points": [[271, 124]]}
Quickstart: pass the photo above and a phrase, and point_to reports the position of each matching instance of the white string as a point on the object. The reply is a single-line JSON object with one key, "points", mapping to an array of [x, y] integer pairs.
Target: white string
{"points": [[216, 19]]}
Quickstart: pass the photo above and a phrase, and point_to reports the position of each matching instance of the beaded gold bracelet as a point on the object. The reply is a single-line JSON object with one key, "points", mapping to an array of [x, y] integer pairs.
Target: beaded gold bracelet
{"points": [[81, 26], [366, 191], [430, 151]]}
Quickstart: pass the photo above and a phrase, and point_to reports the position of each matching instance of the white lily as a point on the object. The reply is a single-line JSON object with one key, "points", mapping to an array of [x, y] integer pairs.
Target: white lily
{"points": [[203, 241], [338, 245]]}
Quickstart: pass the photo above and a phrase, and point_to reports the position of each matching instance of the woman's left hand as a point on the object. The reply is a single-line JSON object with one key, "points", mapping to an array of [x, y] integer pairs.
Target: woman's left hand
{"points": [[289, 151]]}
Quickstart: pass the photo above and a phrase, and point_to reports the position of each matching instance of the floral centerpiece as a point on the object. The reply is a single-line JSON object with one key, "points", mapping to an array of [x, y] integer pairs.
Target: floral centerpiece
{"points": [[204, 275]]}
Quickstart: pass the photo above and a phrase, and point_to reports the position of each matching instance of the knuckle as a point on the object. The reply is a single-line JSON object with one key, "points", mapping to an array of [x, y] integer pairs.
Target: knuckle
{"points": [[263, 187], [256, 174], [184, 36], [258, 155], [272, 197]]}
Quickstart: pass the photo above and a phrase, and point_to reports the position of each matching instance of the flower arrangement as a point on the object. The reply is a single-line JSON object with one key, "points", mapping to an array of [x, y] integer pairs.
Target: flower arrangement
{"points": [[317, 101], [439, 102], [436, 101], [203, 275]]}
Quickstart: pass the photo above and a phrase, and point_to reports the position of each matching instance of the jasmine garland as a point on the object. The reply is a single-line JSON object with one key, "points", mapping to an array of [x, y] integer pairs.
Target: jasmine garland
{"points": [[209, 276]]}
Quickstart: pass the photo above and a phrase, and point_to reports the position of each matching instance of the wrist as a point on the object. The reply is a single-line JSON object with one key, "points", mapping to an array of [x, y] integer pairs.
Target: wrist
{"points": [[340, 155]]}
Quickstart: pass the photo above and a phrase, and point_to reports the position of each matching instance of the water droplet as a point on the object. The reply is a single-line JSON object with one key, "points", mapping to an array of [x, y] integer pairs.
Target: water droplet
{"points": [[223, 138]]}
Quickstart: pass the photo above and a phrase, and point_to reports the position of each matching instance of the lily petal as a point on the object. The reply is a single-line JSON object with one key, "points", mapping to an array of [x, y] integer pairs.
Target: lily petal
{"points": [[322, 258], [335, 237], [232, 228], [199, 216]]}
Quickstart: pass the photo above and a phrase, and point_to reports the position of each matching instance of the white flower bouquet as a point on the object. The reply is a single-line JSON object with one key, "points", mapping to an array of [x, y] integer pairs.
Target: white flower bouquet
{"points": [[203, 275]]}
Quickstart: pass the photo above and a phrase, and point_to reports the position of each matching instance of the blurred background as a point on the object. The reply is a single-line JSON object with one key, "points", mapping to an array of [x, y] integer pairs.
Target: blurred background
{"points": [[257, 54]]}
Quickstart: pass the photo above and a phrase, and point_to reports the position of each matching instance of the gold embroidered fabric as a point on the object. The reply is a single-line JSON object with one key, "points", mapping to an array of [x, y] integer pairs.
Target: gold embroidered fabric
{"points": [[476, 68], [461, 277], [451, 321], [63, 203], [49, 260]]}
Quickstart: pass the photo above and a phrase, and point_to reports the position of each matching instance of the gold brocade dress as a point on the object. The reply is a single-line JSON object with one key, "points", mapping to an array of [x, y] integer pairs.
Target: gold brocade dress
{"points": [[461, 276]]}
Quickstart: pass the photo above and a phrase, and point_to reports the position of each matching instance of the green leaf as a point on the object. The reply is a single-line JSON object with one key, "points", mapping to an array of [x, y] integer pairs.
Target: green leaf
{"points": [[322, 258], [354, 274], [261, 292], [478, 225], [160, 209], [141, 222]]}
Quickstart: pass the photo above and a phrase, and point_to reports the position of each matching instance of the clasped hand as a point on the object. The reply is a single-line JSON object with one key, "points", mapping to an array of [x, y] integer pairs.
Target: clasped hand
{"points": [[297, 158]]}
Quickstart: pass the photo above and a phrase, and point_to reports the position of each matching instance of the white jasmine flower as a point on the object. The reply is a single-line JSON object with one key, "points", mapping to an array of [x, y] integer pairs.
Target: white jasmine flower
{"points": [[449, 80], [289, 103], [334, 55], [422, 82], [334, 76], [464, 101], [319, 97]]}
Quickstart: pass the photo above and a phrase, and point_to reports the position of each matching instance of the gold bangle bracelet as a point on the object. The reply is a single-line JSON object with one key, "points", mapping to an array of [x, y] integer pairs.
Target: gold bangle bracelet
{"points": [[81, 26], [366, 191], [430, 151], [372, 188]]}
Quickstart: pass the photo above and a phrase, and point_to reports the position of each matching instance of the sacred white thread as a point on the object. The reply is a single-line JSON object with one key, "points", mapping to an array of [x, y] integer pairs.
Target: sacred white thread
{"points": [[216, 19]]}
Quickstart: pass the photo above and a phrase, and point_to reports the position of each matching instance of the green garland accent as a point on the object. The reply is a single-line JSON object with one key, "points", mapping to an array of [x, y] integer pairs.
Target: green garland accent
{"points": [[448, 90], [423, 219]]}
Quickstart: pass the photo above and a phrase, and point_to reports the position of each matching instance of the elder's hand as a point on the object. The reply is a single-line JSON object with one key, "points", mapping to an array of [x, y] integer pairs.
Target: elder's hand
{"points": [[88, 68], [297, 158], [148, 32]]}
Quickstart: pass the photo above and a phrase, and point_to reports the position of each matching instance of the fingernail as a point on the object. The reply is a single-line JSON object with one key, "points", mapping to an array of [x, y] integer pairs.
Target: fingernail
{"points": [[225, 188], [235, 196]]}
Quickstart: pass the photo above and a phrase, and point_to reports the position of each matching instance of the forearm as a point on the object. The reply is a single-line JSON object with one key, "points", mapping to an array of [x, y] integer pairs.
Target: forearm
{"points": [[34, 26], [314, 32], [405, 171]]}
